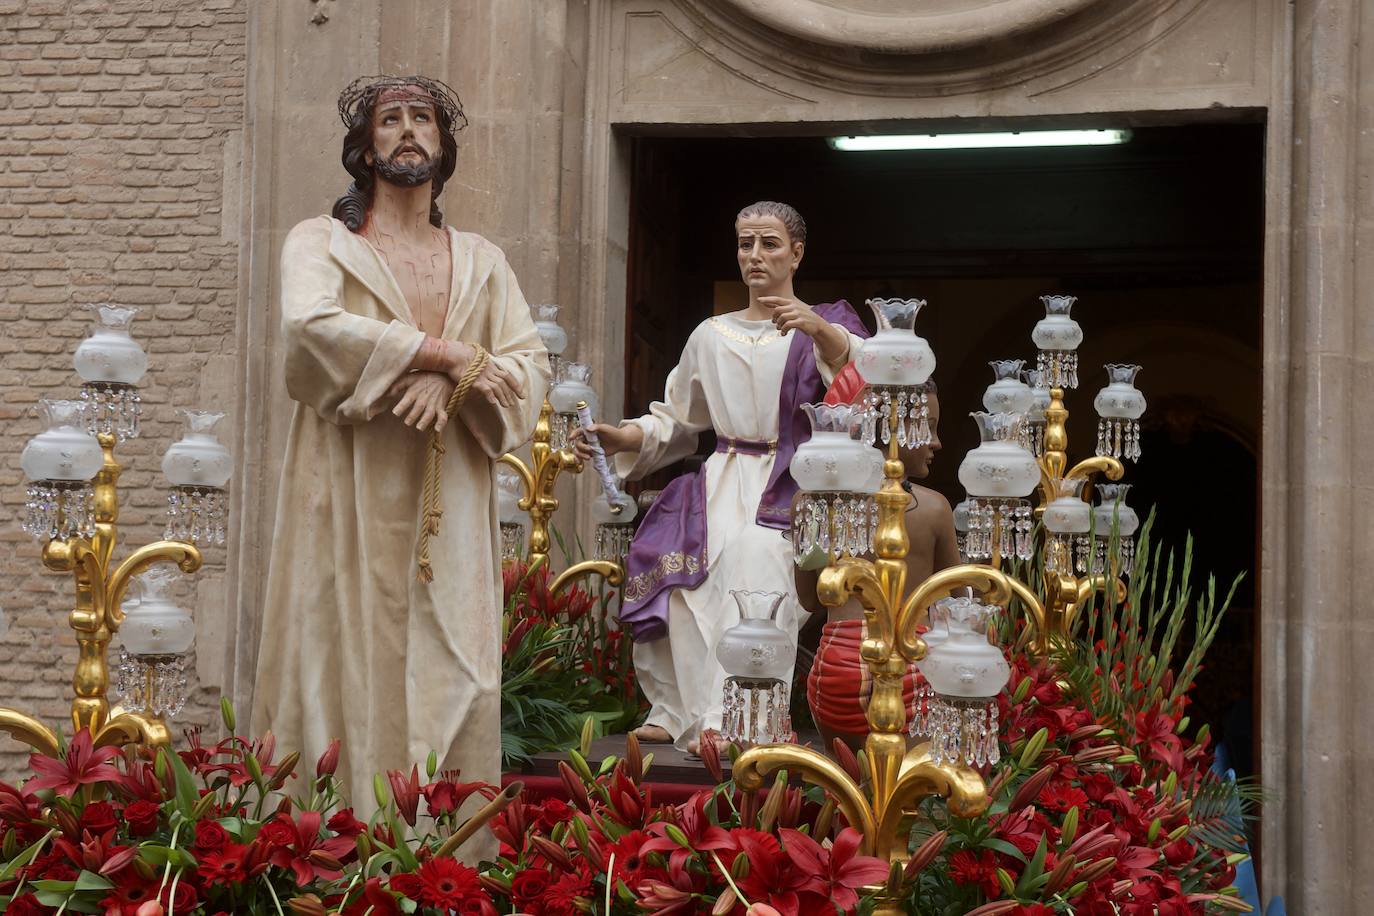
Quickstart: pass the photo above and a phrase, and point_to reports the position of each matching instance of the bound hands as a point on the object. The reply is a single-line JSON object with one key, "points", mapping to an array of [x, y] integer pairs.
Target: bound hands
{"points": [[495, 382], [788, 313], [422, 399], [423, 394], [613, 439]]}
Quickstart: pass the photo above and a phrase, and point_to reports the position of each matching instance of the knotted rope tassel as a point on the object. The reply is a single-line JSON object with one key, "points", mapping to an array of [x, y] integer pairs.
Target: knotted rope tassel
{"points": [[434, 463]]}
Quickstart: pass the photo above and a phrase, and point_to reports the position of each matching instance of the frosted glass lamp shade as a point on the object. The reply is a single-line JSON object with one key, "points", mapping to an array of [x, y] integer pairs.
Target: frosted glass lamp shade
{"points": [[572, 389], [198, 459], [1057, 330], [1067, 513], [965, 664], [756, 648], [1000, 466], [895, 355], [1008, 393], [1113, 511], [554, 338], [155, 625], [111, 354], [63, 451], [508, 493], [834, 459]]}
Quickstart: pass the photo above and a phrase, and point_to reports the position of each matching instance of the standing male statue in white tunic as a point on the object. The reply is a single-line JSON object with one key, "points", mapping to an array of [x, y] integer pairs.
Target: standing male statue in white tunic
{"points": [[383, 612]]}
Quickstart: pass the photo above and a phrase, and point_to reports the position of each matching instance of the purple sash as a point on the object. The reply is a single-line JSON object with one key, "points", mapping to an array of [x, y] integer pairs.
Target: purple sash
{"points": [[669, 549]]}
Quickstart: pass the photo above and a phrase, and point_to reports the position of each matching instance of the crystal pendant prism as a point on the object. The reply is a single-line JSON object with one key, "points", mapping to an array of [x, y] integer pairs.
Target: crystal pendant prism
{"points": [[896, 409], [613, 541], [963, 730], [59, 509], [151, 683], [512, 539], [197, 515], [840, 524], [757, 711], [112, 409], [1002, 523]]}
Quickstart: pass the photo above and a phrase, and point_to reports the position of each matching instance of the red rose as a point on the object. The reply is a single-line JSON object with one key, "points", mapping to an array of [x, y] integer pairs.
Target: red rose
{"points": [[553, 811], [1179, 853], [185, 899], [277, 833], [529, 886], [98, 817], [141, 816], [26, 905], [210, 835]]}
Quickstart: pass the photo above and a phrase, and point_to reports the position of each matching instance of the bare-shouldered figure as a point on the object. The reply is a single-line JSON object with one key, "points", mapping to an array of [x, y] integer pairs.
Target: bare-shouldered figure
{"points": [[838, 687]]}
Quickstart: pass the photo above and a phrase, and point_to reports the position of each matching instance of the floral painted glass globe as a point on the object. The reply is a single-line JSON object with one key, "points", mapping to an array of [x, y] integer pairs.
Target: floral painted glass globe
{"points": [[998, 475], [1057, 336], [1119, 406], [896, 364], [966, 673], [837, 474]]}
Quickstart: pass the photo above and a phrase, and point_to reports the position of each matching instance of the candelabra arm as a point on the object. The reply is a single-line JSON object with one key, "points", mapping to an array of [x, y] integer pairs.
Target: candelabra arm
{"points": [[861, 579], [1106, 465], [29, 730], [994, 586], [184, 555], [606, 569], [512, 460], [755, 764], [921, 777], [133, 728], [1087, 587]]}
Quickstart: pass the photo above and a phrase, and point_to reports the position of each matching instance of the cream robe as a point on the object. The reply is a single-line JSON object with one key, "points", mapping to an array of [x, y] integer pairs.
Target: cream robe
{"points": [[728, 379], [353, 645]]}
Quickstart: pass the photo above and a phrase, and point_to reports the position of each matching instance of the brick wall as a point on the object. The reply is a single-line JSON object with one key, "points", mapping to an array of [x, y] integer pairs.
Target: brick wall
{"points": [[117, 119]]}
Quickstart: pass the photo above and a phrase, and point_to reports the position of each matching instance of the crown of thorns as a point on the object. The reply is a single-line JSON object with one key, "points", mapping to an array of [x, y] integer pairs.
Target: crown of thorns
{"points": [[362, 94]]}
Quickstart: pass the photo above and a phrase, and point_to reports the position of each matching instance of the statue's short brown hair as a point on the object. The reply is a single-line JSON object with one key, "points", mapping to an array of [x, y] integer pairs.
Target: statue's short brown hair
{"points": [[791, 220]]}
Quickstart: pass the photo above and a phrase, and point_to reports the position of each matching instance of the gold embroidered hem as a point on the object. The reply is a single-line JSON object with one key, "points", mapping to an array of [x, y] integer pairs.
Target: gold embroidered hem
{"points": [[724, 330], [638, 587]]}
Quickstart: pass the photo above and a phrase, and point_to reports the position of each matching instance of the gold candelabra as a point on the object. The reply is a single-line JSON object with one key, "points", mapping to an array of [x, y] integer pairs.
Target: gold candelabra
{"points": [[538, 479], [901, 777], [95, 618], [1065, 593]]}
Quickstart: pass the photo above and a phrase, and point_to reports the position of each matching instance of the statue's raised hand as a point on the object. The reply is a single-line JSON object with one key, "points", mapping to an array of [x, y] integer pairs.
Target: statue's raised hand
{"points": [[613, 439]]}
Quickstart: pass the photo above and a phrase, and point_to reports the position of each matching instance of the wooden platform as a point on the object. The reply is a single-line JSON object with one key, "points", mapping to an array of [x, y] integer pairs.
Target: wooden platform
{"points": [[670, 764]]}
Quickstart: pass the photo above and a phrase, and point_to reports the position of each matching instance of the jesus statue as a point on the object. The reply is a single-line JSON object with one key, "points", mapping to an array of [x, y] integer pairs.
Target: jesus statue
{"points": [[382, 618]]}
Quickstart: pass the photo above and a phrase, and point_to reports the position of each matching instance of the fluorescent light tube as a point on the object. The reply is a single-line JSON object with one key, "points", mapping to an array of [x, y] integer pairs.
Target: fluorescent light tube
{"points": [[1000, 140]]}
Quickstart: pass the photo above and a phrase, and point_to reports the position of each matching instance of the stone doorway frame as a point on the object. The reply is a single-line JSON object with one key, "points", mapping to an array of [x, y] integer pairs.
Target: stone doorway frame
{"points": [[1305, 90]]}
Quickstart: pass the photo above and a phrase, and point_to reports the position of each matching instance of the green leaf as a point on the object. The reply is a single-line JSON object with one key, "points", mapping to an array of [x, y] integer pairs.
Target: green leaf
{"points": [[90, 881], [186, 794], [1004, 846]]}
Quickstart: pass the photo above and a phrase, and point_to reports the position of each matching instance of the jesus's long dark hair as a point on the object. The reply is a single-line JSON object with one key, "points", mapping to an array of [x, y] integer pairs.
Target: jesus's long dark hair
{"points": [[351, 209]]}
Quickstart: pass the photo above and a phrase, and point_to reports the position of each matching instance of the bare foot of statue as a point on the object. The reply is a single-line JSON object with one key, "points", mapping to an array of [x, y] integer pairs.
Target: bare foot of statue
{"points": [[694, 746], [653, 734]]}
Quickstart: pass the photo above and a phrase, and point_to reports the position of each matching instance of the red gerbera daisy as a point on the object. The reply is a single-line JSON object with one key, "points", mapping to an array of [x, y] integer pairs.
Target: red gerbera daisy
{"points": [[443, 883]]}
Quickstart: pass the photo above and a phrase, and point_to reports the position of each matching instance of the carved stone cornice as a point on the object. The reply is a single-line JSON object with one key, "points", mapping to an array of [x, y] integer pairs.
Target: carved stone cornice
{"points": [[857, 47]]}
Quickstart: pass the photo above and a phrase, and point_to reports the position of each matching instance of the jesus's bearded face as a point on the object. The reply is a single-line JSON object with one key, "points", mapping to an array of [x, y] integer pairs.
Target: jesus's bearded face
{"points": [[405, 138]]}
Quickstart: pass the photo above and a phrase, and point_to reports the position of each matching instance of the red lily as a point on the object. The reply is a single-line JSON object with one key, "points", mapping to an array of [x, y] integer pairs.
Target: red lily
{"points": [[695, 825], [297, 856], [406, 791], [97, 853], [82, 765], [839, 872], [446, 794]]}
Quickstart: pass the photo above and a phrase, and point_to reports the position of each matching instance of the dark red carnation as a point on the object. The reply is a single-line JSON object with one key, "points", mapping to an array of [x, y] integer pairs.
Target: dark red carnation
{"points": [[26, 905]]}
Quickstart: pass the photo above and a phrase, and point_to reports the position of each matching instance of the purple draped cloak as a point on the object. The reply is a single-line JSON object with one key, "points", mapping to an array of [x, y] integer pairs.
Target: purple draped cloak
{"points": [[669, 549]]}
